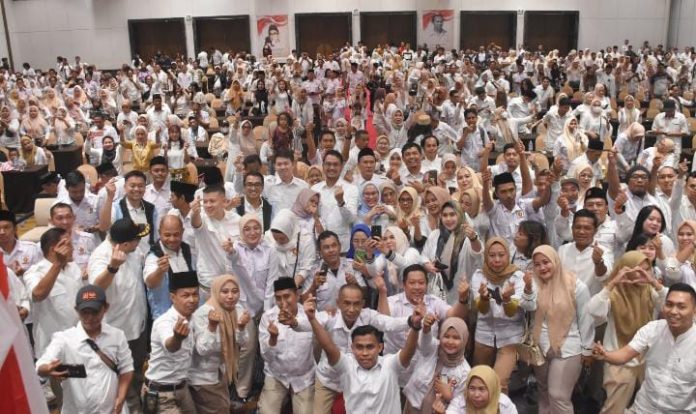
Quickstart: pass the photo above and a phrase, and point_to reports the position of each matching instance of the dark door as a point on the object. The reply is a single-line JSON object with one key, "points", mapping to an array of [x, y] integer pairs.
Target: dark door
{"points": [[322, 32], [481, 28], [222, 33], [385, 28], [552, 30], [149, 36]]}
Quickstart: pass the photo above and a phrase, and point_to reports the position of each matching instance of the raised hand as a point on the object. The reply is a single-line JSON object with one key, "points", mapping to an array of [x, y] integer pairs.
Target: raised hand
{"points": [[286, 318], [528, 286], [243, 320], [228, 246], [272, 329], [597, 253], [439, 405], [214, 318], [310, 307], [564, 204], [181, 329], [350, 279], [118, 257], [379, 282], [463, 290], [196, 207], [444, 387], [62, 251], [507, 292], [619, 202], [428, 321], [483, 291], [338, 194], [163, 263]]}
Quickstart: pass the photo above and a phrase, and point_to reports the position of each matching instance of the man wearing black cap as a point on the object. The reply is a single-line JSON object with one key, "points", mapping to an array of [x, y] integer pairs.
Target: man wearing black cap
{"points": [[288, 354], [100, 348], [18, 255], [172, 342], [591, 157], [555, 119], [507, 212], [117, 267], [670, 124], [157, 192]]}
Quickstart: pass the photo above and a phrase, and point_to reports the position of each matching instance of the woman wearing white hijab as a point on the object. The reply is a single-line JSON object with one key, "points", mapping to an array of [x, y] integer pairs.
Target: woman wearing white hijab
{"points": [[292, 251]]}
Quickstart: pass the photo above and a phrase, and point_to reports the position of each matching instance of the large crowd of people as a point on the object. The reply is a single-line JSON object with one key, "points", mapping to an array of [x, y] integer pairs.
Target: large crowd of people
{"points": [[387, 230]]}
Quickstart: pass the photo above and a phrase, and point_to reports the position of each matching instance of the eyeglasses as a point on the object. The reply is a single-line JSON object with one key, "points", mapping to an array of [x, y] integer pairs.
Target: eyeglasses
{"points": [[256, 185]]}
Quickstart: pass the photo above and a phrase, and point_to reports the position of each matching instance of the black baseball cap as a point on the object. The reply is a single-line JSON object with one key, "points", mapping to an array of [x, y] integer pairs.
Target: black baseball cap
{"points": [[90, 297], [125, 230]]}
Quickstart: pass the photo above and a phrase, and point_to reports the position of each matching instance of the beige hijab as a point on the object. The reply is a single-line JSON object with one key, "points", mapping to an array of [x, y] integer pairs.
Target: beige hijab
{"points": [[227, 327], [555, 301]]}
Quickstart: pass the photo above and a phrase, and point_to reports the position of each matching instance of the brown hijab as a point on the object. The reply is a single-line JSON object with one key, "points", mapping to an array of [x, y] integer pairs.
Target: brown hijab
{"points": [[497, 278], [227, 327], [632, 305]]}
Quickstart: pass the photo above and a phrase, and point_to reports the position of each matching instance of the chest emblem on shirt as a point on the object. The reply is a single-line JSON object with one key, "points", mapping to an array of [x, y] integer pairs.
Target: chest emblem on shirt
{"points": [[520, 214], [25, 259]]}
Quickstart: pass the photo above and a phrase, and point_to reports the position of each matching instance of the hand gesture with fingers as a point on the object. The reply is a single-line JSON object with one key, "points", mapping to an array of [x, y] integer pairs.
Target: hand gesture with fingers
{"points": [[214, 318], [484, 294], [507, 292], [181, 329], [243, 320], [310, 307]]}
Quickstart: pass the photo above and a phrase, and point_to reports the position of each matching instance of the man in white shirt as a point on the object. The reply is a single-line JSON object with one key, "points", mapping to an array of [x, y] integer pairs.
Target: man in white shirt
{"points": [[370, 383], [507, 212], [99, 130], [511, 164], [127, 119], [157, 114], [213, 226], [544, 93], [350, 316], [52, 283], [339, 199], [671, 124], [18, 255], [636, 191], [166, 389], [313, 87], [157, 192], [555, 120], [584, 256], [100, 348], [117, 267], [82, 201], [667, 346], [288, 355], [282, 189]]}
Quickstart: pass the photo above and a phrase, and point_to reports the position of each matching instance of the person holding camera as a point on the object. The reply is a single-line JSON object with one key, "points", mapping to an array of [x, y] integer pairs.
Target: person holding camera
{"points": [[92, 359]]}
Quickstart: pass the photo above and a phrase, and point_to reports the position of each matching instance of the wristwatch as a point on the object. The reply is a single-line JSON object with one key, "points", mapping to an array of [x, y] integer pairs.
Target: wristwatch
{"points": [[112, 270]]}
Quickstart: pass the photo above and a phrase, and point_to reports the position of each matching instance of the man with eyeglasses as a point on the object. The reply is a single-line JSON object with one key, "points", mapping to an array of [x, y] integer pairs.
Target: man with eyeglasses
{"points": [[253, 202], [635, 191]]}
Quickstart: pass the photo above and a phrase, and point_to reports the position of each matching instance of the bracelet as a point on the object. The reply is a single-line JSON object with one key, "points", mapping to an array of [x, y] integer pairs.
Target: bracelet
{"points": [[110, 269], [411, 325]]}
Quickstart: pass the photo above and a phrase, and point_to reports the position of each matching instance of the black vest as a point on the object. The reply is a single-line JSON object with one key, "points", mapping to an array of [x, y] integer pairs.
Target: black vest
{"points": [[149, 216], [156, 249]]}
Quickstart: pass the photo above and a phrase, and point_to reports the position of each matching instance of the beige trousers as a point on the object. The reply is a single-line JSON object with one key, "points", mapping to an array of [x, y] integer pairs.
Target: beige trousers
{"points": [[556, 380], [247, 357], [211, 399], [620, 383], [503, 361], [274, 393], [174, 402], [323, 398]]}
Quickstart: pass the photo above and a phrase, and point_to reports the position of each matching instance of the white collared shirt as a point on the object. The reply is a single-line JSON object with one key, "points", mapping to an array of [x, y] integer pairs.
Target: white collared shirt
{"points": [[25, 254], [83, 245], [504, 222], [341, 335], [168, 367], [207, 362], [282, 195], [211, 260], [252, 269], [126, 294], [159, 198], [580, 263], [86, 213], [327, 293], [56, 312], [338, 219], [399, 306], [670, 372], [98, 391], [371, 391], [291, 360]]}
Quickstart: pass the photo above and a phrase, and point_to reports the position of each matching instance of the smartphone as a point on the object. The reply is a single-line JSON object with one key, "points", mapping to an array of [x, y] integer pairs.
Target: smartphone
{"points": [[432, 177], [73, 370], [495, 295], [360, 256], [324, 269], [376, 231]]}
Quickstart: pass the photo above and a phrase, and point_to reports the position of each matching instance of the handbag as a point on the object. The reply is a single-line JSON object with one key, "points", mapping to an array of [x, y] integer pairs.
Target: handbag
{"points": [[528, 351]]}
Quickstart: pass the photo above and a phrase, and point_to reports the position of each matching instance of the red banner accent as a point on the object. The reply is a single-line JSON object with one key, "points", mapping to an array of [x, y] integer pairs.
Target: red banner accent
{"points": [[15, 399], [263, 21], [447, 15]]}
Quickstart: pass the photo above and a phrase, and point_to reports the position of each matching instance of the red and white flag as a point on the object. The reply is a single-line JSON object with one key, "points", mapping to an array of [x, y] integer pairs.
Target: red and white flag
{"points": [[21, 391]]}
